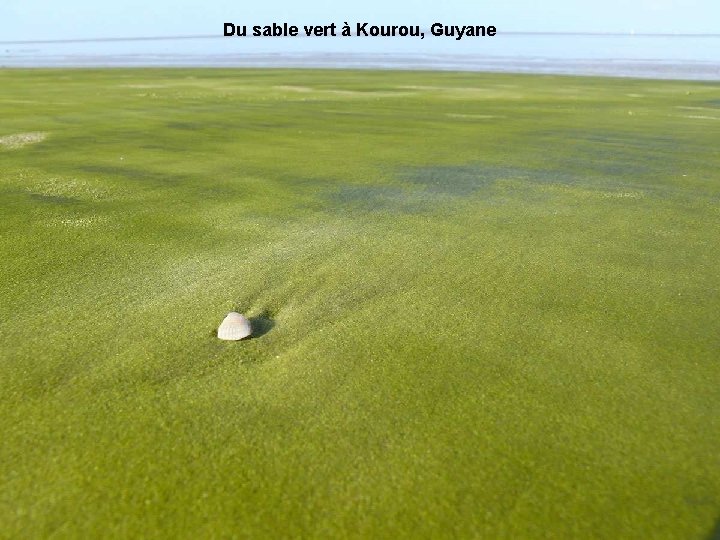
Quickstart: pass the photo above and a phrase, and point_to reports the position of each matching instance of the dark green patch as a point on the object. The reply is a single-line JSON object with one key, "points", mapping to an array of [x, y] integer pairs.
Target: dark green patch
{"points": [[371, 198], [456, 180], [53, 199], [131, 173]]}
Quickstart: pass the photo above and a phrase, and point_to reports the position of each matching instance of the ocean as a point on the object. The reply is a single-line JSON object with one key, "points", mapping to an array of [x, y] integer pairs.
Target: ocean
{"points": [[647, 56]]}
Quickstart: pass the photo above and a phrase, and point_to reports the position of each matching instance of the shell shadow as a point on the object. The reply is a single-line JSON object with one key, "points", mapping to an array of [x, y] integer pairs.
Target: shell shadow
{"points": [[261, 325], [715, 533]]}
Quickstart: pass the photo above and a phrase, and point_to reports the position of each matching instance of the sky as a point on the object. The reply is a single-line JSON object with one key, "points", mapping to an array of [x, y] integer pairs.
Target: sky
{"points": [[70, 19]]}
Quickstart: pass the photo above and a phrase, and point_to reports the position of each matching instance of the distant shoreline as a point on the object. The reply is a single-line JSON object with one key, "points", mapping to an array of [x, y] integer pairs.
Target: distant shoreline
{"points": [[220, 36], [642, 68]]}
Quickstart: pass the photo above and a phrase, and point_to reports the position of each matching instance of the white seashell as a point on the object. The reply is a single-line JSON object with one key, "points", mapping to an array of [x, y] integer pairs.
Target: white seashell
{"points": [[234, 327]]}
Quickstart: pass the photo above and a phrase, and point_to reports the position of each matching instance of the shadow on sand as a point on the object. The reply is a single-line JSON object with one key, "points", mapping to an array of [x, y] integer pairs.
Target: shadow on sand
{"points": [[715, 533], [261, 325]]}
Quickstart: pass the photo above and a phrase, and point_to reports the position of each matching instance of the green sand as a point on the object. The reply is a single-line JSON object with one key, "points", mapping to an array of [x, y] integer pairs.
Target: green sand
{"points": [[488, 305]]}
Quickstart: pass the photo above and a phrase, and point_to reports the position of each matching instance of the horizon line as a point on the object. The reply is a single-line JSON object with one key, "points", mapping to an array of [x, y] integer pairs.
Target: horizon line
{"points": [[216, 36]]}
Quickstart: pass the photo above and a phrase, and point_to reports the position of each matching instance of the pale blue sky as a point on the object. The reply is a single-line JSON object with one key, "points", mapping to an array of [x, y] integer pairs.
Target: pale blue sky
{"points": [[55, 19]]}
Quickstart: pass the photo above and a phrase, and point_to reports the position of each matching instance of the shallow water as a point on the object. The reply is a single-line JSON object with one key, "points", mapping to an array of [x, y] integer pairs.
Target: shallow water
{"points": [[661, 57]]}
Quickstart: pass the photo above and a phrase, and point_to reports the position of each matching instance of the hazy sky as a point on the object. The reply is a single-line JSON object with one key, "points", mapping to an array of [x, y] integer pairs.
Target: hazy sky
{"points": [[55, 19]]}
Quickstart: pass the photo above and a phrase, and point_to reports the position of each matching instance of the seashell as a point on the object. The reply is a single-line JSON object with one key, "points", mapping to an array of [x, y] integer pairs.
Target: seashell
{"points": [[234, 327]]}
